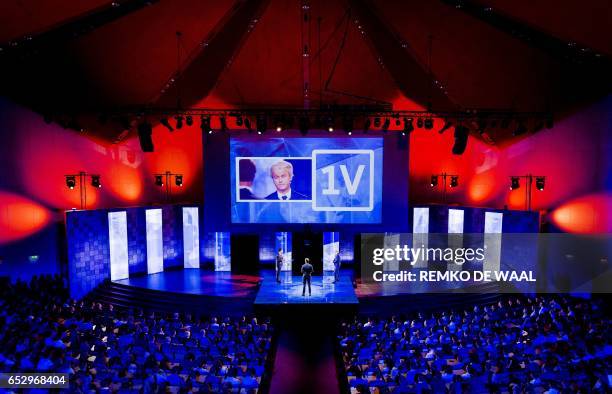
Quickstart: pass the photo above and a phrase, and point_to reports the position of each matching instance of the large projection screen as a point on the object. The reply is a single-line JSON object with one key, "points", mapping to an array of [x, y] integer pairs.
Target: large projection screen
{"points": [[191, 237], [295, 180], [155, 241], [118, 243]]}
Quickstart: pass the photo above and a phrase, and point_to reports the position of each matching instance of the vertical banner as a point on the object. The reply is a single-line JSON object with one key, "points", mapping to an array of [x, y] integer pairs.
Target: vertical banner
{"points": [[155, 241], [283, 241], [331, 244], [492, 241], [223, 260], [118, 242], [455, 233], [420, 233], [191, 238]]}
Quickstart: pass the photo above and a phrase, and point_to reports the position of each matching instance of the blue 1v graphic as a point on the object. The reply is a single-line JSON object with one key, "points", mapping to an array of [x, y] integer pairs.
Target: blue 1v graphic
{"points": [[343, 180]]}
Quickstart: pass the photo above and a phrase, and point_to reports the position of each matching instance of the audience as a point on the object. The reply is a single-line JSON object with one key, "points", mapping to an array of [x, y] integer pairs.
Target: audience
{"points": [[530, 344], [105, 349]]}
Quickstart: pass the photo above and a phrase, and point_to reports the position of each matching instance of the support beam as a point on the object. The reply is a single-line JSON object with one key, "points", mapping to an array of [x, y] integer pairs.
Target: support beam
{"points": [[199, 75], [411, 76]]}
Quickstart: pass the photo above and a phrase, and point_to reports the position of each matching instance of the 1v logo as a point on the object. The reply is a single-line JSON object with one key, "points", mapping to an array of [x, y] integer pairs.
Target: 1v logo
{"points": [[351, 184]]}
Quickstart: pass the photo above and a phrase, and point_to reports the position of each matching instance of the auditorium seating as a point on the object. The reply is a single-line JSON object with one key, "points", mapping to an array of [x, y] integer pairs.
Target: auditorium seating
{"points": [[109, 349], [520, 344]]}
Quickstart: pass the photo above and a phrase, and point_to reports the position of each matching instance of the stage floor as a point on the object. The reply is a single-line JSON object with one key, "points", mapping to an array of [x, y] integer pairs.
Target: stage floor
{"points": [[197, 281], [289, 291]]}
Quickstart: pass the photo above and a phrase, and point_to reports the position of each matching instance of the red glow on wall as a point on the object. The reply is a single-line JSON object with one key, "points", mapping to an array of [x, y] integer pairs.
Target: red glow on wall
{"points": [[20, 217], [125, 183], [587, 214], [481, 187]]}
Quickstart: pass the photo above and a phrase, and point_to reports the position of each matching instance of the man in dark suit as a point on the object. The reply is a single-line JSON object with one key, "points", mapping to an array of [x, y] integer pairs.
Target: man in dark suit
{"points": [[279, 264], [246, 172], [282, 175], [306, 274], [337, 263]]}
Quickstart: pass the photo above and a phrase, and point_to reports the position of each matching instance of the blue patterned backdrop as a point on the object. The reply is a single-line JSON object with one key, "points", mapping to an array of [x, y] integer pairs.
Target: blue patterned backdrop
{"points": [[172, 217], [137, 241]]}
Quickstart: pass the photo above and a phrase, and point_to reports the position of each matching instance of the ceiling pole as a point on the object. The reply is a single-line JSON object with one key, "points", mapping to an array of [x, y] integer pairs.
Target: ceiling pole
{"points": [[305, 50]]}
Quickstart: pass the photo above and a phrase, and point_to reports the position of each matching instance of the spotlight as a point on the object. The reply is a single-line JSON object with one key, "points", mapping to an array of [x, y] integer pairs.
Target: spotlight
{"points": [[159, 180], [447, 125], [454, 182], [178, 180], [189, 120], [428, 123], [377, 122], [262, 124], [514, 183], [540, 183], [398, 122], [366, 125], [461, 138], [347, 123], [179, 122], [420, 123], [95, 181], [223, 123], [247, 124], [434, 181], [304, 125], [349, 132], [330, 123], [408, 126], [239, 121], [205, 124], [279, 128], [386, 124], [70, 182], [145, 130], [164, 121], [520, 129]]}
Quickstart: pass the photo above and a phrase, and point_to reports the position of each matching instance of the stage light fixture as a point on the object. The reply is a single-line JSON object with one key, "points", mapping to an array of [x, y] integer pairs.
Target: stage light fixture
{"points": [[279, 128], [223, 123], [164, 121], [434, 181], [454, 181], [178, 180], [347, 123], [239, 121], [420, 123], [304, 125], [428, 123], [377, 122], [398, 122], [159, 180], [189, 120], [447, 125], [205, 124], [366, 125], [247, 124], [70, 182], [408, 126], [145, 131], [330, 123], [95, 181], [540, 180], [461, 139], [179, 122], [514, 183], [386, 124]]}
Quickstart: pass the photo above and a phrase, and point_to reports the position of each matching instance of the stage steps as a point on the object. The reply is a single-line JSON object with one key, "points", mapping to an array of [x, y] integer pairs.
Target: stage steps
{"points": [[126, 296]]}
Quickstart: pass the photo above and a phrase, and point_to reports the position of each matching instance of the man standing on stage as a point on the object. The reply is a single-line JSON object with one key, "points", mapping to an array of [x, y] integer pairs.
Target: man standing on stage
{"points": [[337, 263], [279, 264], [306, 273]]}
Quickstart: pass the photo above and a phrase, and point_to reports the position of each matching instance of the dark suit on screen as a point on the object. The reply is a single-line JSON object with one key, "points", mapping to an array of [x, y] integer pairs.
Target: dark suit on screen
{"points": [[337, 263], [246, 194], [306, 275], [294, 196], [279, 266]]}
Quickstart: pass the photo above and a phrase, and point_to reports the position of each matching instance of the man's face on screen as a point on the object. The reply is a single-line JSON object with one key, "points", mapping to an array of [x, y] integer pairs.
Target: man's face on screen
{"points": [[281, 179]]}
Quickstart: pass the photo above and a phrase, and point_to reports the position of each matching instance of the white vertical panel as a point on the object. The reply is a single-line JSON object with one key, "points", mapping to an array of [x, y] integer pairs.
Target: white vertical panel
{"points": [[331, 244], [155, 241], [493, 240], [191, 238], [223, 260], [117, 232], [455, 233], [420, 233]]}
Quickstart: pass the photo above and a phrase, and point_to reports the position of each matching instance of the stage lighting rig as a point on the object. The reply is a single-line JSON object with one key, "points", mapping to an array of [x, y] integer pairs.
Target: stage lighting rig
{"points": [[166, 124], [447, 125], [366, 125], [166, 179], [205, 124], [428, 123], [408, 126], [453, 178], [261, 124], [179, 121], [71, 183], [529, 178], [386, 124], [189, 120], [223, 123], [247, 124], [347, 123], [377, 122]]}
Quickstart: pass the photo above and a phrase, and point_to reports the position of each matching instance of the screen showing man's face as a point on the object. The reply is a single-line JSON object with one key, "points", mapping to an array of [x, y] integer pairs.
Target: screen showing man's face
{"points": [[281, 179]]}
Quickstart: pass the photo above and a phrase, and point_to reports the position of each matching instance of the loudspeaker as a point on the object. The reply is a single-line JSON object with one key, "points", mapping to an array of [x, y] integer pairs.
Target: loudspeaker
{"points": [[461, 137], [145, 130], [245, 253]]}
